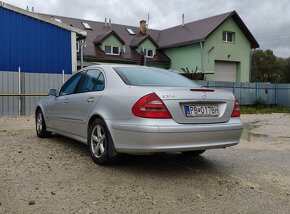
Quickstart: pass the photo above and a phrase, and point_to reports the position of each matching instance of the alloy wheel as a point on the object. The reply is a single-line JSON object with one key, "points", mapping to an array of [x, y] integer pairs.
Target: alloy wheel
{"points": [[98, 141], [39, 123]]}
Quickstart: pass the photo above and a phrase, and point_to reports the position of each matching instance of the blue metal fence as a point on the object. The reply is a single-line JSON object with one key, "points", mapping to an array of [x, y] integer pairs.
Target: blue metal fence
{"points": [[30, 83], [248, 93], [20, 92]]}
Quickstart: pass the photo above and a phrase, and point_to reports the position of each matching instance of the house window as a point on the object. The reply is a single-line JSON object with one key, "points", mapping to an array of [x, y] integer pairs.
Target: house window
{"points": [[228, 36], [149, 53], [116, 50], [111, 50], [130, 31], [86, 25], [108, 49], [57, 19]]}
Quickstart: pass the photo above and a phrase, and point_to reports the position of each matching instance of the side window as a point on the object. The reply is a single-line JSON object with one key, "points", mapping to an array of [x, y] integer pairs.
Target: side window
{"points": [[93, 81], [70, 86]]}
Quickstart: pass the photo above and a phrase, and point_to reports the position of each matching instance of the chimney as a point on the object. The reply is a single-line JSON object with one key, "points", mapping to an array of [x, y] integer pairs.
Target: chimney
{"points": [[105, 22], [183, 20], [27, 8], [143, 27], [110, 23], [32, 9]]}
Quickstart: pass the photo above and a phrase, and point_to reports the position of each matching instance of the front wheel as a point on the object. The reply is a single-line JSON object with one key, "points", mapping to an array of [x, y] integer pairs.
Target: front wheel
{"points": [[101, 144], [193, 153], [41, 126]]}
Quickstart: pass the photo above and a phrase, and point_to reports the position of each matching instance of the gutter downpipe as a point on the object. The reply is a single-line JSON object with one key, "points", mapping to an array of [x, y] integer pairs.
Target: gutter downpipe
{"points": [[19, 89], [250, 64], [62, 76], [201, 56], [82, 44]]}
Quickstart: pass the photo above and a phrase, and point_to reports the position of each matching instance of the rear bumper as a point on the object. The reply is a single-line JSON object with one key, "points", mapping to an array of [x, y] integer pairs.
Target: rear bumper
{"points": [[132, 138]]}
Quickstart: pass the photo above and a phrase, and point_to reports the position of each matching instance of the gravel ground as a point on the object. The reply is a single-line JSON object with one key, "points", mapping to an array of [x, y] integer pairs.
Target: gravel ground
{"points": [[57, 175]]}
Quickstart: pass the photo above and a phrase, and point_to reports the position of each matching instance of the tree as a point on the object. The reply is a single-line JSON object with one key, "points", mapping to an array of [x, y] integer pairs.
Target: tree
{"points": [[266, 67], [286, 71]]}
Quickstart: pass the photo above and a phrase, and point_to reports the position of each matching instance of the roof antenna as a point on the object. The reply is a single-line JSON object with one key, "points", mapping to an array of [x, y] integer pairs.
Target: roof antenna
{"points": [[183, 20]]}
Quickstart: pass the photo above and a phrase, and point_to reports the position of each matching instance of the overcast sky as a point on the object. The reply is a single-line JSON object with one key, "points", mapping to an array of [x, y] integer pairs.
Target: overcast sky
{"points": [[268, 20]]}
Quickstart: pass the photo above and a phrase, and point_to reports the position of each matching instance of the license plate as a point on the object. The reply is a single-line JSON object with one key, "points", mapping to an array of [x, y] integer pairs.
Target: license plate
{"points": [[201, 110]]}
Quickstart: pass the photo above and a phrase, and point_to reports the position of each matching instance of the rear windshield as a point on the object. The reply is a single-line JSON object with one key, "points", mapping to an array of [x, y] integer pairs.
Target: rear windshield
{"points": [[145, 76]]}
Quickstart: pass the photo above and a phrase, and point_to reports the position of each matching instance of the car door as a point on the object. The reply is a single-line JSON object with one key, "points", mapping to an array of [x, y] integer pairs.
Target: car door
{"points": [[59, 113], [87, 95]]}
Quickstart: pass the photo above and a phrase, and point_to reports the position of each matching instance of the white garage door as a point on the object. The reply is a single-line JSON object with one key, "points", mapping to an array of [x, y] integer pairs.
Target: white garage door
{"points": [[225, 71]]}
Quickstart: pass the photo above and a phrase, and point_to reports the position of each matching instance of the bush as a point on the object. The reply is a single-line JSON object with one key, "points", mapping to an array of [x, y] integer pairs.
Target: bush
{"points": [[260, 103], [193, 74]]}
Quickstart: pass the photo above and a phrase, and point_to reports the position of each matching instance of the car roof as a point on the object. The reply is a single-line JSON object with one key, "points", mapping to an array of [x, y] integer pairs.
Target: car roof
{"points": [[108, 66]]}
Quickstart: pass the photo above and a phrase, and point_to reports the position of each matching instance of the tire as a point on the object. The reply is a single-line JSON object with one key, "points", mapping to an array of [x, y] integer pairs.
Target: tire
{"points": [[100, 143], [193, 153], [40, 125]]}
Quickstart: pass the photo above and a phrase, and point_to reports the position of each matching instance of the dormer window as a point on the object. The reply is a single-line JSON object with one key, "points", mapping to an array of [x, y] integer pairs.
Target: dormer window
{"points": [[228, 37], [112, 50], [149, 53]]}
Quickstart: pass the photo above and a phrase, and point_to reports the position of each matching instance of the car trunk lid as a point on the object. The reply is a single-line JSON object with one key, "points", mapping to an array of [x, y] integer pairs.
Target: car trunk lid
{"points": [[197, 105]]}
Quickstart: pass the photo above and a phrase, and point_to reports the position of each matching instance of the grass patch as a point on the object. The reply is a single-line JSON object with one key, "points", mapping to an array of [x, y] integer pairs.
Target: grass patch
{"points": [[263, 110]]}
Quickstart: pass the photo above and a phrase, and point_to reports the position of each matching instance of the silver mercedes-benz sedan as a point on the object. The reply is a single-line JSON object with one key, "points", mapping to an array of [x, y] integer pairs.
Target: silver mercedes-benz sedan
{"points": [[135, 110]]}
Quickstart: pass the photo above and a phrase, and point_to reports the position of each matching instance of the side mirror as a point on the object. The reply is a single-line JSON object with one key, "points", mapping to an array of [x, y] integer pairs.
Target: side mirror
{"points": [[52, 92]]}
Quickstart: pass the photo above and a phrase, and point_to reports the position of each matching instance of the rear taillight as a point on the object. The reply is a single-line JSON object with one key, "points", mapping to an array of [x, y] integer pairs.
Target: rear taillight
{"points": [[236, 111], [150, 106]]}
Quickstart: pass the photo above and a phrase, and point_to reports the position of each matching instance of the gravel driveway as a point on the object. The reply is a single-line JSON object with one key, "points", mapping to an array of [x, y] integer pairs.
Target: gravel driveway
{"points": [[57, 175]]}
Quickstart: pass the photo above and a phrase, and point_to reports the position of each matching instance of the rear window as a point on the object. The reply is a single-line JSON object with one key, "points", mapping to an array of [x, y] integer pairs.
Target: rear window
{"points": [[145, 76]]}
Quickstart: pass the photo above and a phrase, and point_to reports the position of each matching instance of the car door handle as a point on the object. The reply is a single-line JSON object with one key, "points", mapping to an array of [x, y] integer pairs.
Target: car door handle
{"points": [[66, 101], [90, 100]]}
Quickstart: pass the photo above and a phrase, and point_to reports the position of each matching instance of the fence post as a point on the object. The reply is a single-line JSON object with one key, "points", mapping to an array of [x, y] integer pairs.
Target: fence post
{"points": [[234, 88], [62, 76], [257, 91], [19, 91], [276, 94]]}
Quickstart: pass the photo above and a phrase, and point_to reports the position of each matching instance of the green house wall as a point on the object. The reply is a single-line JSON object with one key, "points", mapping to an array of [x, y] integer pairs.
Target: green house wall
{"points": [[239, 51], [185, 57], [214, 49]]}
